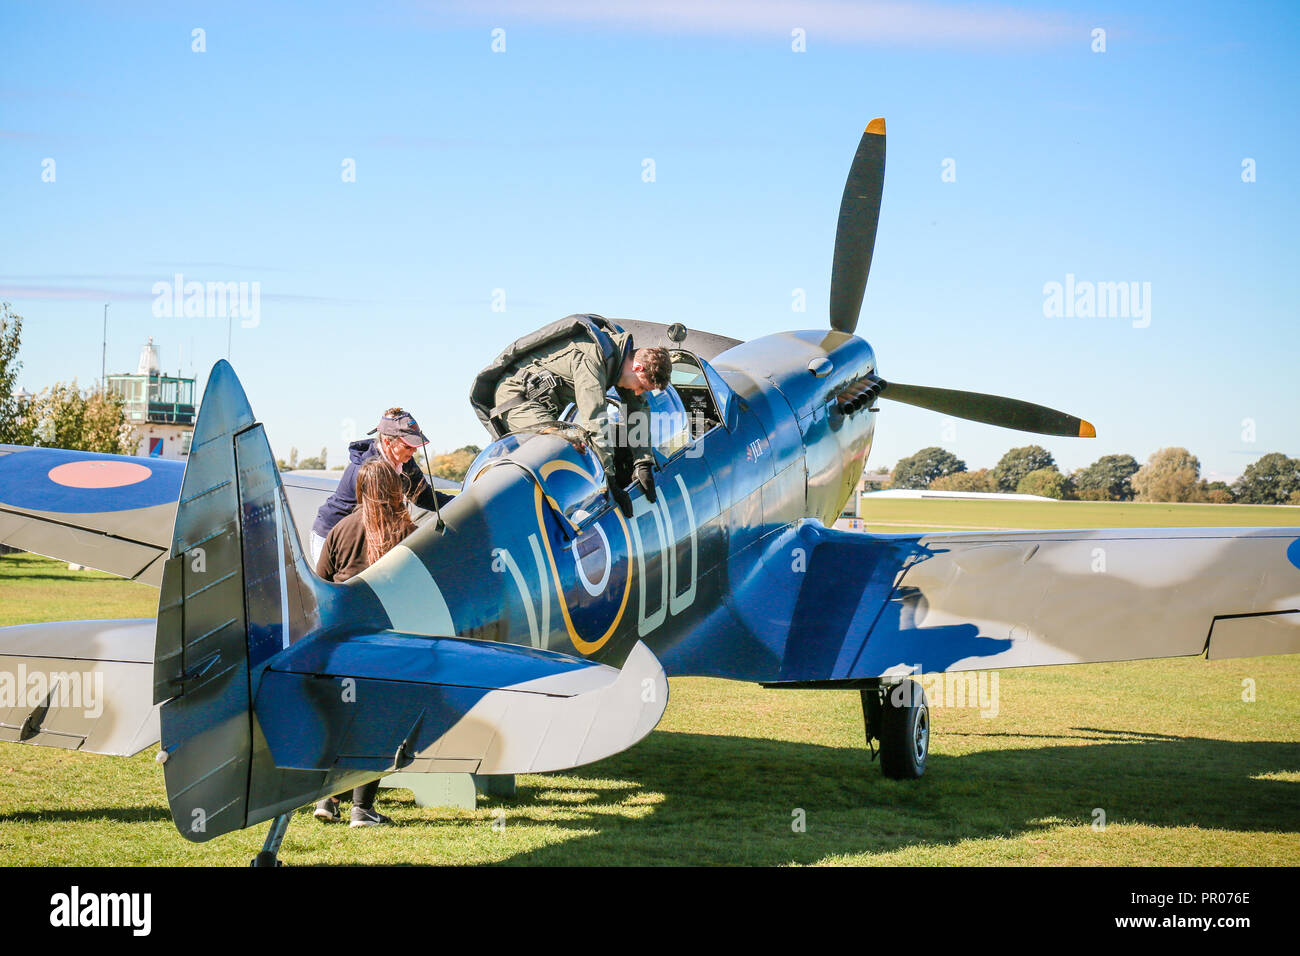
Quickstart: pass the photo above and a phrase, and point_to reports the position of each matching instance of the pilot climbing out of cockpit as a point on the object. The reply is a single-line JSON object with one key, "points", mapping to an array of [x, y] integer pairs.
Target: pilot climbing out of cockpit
{"points": [[578, 360]]}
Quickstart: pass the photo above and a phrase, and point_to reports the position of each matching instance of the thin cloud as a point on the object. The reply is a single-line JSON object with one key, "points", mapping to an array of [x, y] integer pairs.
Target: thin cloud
{"points": [[825, 21], [315, 299], [81, 277], [27, 292], [174, 266], [20, 292]]}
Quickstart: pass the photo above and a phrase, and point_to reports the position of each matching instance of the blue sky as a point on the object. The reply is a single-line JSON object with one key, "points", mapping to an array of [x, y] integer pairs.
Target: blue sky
{"points": [[522, 171]]}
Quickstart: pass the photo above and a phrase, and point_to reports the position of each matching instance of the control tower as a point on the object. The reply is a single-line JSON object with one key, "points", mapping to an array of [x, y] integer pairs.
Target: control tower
{"points": [[159, 407]]}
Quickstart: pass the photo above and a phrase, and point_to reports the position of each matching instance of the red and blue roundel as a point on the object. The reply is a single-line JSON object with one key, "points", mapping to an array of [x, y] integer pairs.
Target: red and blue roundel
{"points": [[84, 482]]}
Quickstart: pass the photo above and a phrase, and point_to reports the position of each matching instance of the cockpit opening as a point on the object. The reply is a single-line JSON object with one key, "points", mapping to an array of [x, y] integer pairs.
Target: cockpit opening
{"points": [[696, 401], [688, 380], [570, 476]]}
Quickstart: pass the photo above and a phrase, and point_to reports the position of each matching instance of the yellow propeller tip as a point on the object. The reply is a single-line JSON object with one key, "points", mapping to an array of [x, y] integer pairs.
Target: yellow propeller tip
{"points": [[1086, 430], [877, 126]]}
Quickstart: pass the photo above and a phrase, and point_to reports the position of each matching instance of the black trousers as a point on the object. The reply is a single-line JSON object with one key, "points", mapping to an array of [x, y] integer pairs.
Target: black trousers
{"points": [[362, 796]]}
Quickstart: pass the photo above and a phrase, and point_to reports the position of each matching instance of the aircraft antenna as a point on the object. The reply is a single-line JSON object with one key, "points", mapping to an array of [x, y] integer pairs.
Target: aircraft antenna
{"points": [[428, 470]]}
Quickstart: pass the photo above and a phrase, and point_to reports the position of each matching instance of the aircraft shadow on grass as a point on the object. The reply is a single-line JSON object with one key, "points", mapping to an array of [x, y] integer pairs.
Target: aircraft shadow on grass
{"points": [[727, 799], [146, 814], [731, 799], [70, 579]]}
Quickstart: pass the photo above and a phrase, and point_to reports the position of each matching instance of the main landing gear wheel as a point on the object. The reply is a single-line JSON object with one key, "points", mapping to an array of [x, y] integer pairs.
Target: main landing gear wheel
{"points": [[904, 731]]}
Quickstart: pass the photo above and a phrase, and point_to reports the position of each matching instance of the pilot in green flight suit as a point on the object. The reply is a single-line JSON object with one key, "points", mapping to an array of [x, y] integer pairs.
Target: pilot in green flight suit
{"points": [[576, 360]]}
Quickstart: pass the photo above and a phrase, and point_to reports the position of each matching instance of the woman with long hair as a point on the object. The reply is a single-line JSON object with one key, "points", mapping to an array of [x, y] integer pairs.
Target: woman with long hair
{"points": [[379, 522], [397, 437]]}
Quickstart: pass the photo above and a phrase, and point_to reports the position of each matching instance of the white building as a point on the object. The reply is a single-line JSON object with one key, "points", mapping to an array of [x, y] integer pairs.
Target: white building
{"points": [[159, 408]]}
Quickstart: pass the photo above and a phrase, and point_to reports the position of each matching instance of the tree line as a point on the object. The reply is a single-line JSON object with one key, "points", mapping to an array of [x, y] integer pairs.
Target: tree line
{"points": [[1171, 474], [320, 463], [453, 465], [61, 416]]}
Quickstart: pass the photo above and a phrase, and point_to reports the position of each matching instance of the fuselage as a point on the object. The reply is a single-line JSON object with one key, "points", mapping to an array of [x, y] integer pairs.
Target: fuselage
{"points": [[534, 553]]}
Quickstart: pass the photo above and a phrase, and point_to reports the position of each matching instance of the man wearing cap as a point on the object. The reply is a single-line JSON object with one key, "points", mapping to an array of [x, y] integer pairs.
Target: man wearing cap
{"points": [[396, 442]]}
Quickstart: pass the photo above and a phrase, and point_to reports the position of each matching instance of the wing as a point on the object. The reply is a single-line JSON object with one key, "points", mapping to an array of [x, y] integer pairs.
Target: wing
{"points": [[79, 685], [110, 512], [875, 605], [113, 513]]}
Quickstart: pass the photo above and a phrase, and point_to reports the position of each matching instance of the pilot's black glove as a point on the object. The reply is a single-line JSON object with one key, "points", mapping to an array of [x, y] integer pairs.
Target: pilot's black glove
{"points": [[643, 472], [622, 499]]}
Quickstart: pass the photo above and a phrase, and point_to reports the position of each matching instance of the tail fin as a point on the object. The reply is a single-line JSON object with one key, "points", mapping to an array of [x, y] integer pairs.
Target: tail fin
{"points": [[353, 698], [236, 591]]}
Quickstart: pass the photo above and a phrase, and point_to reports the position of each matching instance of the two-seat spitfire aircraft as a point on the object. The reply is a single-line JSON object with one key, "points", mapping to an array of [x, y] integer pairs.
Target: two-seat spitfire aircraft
{"points": [[532, 626]]}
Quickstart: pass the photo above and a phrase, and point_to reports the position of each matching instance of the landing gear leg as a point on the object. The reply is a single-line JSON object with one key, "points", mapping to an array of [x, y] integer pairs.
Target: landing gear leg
{"points": [[898, 716], [871, 715], [271, 848]]}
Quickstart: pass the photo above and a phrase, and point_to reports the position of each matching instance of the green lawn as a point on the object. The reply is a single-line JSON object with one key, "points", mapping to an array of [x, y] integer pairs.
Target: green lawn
{"points": [[1184, 769], [34, 589]]}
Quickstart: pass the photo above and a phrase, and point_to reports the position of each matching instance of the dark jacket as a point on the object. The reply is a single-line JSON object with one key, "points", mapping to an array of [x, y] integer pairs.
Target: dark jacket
{"points": [[340, 504], [344, 554]]}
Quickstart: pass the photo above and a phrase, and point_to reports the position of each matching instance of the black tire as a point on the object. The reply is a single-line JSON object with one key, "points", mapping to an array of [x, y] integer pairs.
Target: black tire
{"points": [[904, 731], [265, 859]]}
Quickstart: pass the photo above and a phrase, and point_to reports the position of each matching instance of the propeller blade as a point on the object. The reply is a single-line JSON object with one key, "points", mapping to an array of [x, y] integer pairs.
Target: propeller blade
{"points": [[855, 236], [990, 409]]}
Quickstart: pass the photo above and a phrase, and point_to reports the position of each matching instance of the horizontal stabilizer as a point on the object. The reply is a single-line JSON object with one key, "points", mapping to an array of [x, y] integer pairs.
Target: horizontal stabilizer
{"points": [[79, 685], [392, 701]]}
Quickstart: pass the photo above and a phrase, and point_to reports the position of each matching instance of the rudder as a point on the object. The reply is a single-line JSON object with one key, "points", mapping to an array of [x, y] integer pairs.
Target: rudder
{"points": [[236, 591]]}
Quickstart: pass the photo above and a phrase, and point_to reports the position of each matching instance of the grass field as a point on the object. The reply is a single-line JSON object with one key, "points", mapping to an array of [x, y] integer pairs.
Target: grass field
{"points": [[1184, 770]]}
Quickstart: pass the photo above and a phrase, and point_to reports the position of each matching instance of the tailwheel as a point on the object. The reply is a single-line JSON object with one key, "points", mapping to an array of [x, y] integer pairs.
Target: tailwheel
{"points": [[904, 730], [270, 853]]}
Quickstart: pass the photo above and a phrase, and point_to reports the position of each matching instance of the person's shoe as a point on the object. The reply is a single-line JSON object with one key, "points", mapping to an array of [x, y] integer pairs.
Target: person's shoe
{"points": [[368, 818], [328, 810]]}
